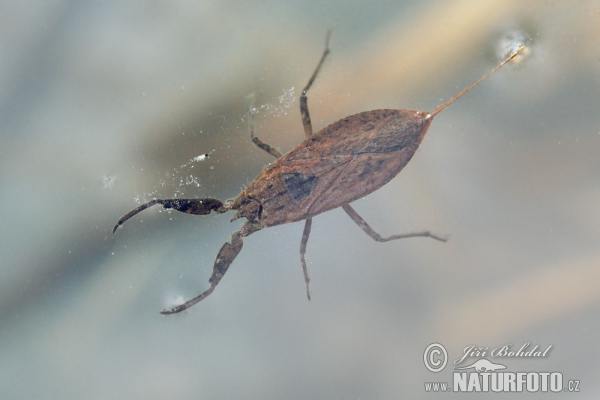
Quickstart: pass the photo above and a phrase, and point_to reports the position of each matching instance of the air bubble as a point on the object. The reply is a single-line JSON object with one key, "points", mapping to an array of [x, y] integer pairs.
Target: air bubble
{"points": [[286, 100], [510, 43], [108, 182]]}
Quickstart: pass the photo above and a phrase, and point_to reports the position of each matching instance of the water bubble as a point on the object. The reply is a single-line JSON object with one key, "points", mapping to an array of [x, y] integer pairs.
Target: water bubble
{"points": [[201, 157], [510, 43], [108, 182], [286, 100]]}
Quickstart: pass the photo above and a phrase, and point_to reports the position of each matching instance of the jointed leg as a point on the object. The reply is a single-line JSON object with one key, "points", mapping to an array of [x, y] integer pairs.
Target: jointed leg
{"points": [[375, 236], [303, 99], [224, 259], [189, 206], [271, 150], [308, 131], [303, 242]]}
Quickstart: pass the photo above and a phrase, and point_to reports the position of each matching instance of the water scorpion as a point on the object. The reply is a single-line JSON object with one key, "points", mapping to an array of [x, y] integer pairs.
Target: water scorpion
{"points": [[341, 163]]}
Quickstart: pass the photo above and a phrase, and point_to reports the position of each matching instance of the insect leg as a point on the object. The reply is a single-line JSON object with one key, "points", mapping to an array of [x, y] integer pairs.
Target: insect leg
{"points": [[375, 236], [308, 132], [227, 254], [303, 242], [262, 145], [303, 99], [189, 206]]}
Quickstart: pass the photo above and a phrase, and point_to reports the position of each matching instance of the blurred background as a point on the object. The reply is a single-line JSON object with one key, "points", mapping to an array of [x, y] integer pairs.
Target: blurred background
{"points": [[105, 104]]}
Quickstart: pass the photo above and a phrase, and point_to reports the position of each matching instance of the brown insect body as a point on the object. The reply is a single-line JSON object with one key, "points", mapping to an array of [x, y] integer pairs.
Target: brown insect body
{"points": [[341, 163]]}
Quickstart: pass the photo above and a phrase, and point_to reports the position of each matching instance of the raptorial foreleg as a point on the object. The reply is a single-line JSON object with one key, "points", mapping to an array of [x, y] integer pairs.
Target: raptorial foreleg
{"points": [[188, 206], [227, 254]]}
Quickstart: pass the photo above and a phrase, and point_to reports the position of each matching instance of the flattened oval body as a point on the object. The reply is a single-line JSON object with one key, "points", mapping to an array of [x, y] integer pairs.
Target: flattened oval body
{"points": [[341, 163]]}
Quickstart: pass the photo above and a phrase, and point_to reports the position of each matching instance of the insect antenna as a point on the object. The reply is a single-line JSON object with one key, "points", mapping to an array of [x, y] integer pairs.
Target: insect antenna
{"points": [[446, 104]]}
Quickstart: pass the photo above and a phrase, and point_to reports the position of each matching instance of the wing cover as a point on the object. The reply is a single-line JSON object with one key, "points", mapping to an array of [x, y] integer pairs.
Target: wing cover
{"points": [[343, 162]]}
